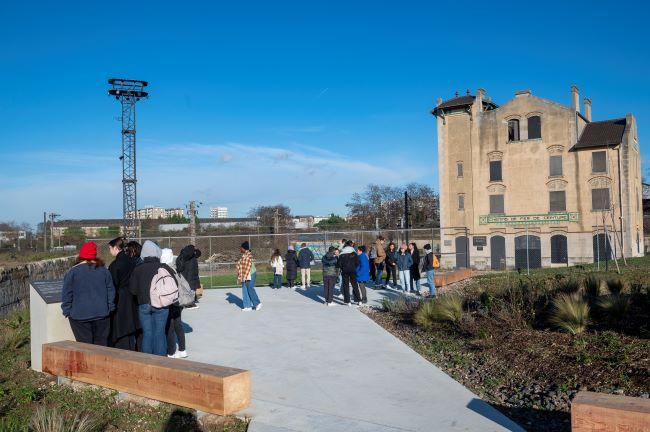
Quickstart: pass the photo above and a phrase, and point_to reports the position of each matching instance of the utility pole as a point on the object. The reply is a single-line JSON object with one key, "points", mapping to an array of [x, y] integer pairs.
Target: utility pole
{"points": [[44, 231], [53, 216], [276, 221], [193, 206], [406, 214]]}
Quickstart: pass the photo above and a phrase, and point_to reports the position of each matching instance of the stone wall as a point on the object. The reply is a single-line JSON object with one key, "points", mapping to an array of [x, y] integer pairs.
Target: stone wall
{"points": [[14, 281]]}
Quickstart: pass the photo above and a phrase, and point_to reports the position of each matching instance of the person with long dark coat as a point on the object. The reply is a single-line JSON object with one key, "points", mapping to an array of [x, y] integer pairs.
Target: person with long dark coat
{"points": [[291, 260], [187, 264], [124, 320], [415, 267]]}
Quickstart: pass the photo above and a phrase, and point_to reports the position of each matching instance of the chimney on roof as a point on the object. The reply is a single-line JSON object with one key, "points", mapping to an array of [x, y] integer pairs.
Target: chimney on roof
{"points": [[587, 103], [456, 94], [480, 94], [467, 93], [575, 101], [439, 101]]}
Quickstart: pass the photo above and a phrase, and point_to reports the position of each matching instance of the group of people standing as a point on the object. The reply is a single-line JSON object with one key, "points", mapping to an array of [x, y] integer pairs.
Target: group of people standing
{"points": [[136, 303], [349, 265]]}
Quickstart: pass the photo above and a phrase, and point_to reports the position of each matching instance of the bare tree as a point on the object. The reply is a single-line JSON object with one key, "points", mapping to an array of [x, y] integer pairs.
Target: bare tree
{"points": [[385, 204], [267, 215]]}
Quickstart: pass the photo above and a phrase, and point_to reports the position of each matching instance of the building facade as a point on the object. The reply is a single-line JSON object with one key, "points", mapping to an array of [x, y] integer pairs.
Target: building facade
{"points": [[536, 183], [219, 212], [155, 212]]}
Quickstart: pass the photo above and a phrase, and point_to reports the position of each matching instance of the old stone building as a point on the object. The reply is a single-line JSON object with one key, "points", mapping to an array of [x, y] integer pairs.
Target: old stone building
{"points": [[536, 183]]}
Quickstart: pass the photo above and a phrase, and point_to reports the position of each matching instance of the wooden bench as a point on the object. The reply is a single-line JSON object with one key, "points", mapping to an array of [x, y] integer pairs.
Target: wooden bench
{"points": [[213, 389], [609, 413]]}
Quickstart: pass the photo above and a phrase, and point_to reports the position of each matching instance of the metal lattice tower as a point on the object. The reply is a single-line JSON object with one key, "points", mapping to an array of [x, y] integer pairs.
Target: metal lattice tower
{"points": [[128, 92]]}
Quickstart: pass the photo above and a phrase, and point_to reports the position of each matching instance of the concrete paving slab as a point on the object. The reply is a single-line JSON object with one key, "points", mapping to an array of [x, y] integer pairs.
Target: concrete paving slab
{"points": [[318, 368]]}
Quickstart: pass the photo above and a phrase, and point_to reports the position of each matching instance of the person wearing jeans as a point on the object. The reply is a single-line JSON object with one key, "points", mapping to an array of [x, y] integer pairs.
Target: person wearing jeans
{"points": [[429, 268], [246, 275], [404, 263], [153, 321], [174, 325], [278, 267]]}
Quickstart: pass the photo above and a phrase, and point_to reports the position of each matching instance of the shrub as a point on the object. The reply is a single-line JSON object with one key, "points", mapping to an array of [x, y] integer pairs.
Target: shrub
{"points": [[15, 333], [615, 307], [569, 286], [592, 286], [401, 305], [615, 286], [570, 313], [448, 307]]}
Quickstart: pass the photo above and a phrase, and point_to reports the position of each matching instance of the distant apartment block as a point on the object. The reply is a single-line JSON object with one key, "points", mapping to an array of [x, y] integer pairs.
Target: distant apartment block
{"points": [[154, 212], [218, 212]]}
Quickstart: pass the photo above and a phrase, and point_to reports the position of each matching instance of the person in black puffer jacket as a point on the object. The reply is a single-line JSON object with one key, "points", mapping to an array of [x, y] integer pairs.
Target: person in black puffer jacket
{"points": [[348, 262], [124, 321], [291, 265], [187, 264], [330, 274]]}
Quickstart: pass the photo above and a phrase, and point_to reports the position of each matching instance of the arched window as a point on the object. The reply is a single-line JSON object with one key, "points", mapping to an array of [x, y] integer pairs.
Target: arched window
{"points": [[534, 127], [559, 253], [513, 130]]}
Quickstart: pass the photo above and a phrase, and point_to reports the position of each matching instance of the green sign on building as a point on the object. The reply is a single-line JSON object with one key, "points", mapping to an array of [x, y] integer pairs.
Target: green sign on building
{"points": [[532, 219]]}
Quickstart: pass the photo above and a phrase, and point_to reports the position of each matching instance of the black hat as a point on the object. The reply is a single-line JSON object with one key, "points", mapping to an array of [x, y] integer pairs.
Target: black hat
{"points": [[246, 246]]}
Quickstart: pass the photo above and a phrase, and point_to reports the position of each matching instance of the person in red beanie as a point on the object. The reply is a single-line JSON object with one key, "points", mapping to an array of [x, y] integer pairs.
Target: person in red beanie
{"points": [[88, 297]]}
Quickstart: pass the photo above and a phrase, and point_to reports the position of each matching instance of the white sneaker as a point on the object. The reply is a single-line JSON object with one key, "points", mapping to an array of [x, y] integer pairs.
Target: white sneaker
{"points": [[340, 296], [171, 356], [258, 307], [246, 309], [180, 354], [331, 304]]}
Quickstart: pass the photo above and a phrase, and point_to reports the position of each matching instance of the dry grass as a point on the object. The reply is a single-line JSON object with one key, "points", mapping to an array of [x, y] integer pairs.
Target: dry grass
{"points": [[570, 313]]}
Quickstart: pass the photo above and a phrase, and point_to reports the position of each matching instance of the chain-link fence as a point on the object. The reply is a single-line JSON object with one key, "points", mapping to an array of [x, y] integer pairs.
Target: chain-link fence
{"points": [[219, 253]]}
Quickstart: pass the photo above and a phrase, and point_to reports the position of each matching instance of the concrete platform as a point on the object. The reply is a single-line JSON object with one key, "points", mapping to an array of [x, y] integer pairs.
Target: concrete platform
{"points": [[317, 368]]}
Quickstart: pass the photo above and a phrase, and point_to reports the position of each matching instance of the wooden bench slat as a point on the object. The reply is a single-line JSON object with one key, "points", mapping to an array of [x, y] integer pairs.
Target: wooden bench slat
{"points": [[609, 413], [210, 388]]}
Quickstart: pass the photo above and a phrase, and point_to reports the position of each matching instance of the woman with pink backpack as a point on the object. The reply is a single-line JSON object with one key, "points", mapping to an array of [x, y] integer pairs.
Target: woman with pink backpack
{"points": [[155, 287]]}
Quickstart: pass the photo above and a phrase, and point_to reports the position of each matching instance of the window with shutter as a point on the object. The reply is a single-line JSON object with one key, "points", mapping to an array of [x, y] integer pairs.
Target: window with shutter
{"points": [[599, 162], [557, 201], [461, 202], [534, 127], [495, 171], [513, 130], [496, 204], [459, 169], [555, 166], [600, 199]]}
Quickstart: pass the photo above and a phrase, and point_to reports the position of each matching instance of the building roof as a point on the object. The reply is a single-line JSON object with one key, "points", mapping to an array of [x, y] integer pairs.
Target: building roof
{"points": [[459, 102], [604, 133]]}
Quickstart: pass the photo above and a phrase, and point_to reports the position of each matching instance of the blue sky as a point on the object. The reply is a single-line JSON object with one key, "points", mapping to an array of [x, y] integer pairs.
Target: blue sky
{"points": [[302, 103]]}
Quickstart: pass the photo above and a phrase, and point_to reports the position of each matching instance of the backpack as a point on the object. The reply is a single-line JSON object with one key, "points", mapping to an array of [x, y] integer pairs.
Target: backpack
{"points": [[185, 293], [163, 291], [436, 263], [422, 263]]}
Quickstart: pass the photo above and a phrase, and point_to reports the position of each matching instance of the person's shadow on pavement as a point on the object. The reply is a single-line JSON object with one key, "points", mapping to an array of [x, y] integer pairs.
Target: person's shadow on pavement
{"points": [[311, 293], [233, 299]]}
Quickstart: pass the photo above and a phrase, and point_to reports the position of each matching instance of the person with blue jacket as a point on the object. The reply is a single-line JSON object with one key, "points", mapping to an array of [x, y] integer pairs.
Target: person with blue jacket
{"points": [[305, 257], [404, 263], [88, 297], [363, 275]]}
